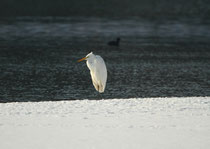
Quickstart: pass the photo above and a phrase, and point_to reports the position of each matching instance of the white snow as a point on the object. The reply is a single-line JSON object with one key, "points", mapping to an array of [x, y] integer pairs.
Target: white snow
{"points": [[143, 123]]}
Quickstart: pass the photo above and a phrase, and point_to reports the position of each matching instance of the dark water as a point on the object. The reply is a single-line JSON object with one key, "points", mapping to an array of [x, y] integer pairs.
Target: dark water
{"points": [[156, 58], [108, 8]]}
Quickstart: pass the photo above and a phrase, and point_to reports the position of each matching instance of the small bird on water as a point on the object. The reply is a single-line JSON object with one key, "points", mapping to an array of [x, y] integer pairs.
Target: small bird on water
{"points": [[114, 43], [98, 71]]}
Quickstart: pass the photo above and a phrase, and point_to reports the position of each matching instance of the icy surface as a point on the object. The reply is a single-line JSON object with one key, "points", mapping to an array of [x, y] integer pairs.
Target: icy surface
{"points": [[147, 123]]}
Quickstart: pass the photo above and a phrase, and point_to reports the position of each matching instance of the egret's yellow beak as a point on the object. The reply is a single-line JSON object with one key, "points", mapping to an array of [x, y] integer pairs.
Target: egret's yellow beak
{"points": [[82, 59]]}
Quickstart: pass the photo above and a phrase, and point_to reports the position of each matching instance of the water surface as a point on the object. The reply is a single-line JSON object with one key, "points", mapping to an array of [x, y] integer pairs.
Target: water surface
{"points": [[156, 58]]}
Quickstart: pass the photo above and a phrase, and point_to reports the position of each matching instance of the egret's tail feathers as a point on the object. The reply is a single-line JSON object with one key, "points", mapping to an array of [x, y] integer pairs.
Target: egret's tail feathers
{"points": [[99, 87]]}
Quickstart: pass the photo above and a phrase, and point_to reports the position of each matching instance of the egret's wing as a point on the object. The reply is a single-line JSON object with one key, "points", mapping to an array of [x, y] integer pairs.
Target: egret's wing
{"points": [[95, 81], [100, 75]]}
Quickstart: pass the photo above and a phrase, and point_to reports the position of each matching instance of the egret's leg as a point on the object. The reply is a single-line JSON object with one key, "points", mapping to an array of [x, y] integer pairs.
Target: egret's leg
{"points": [[99, 96]]}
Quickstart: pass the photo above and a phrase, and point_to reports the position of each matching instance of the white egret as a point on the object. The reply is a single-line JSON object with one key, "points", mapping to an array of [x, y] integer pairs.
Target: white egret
{"points": [[98, 71]]}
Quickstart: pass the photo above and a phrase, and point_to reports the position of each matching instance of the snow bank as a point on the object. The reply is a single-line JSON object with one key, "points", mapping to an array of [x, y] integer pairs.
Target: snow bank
{"points": [[147, 123]]}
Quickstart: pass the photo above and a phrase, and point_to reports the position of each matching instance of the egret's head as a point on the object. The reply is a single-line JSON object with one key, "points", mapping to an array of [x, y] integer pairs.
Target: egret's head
{"points": [[89, 56]]}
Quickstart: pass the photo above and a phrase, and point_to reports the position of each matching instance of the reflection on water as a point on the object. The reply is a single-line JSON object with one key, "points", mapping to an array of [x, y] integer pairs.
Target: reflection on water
{"points": [[155, 58]]}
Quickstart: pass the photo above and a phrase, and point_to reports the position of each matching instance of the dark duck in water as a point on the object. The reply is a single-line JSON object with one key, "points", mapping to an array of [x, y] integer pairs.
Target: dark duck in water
{"points": [[114, 43]]}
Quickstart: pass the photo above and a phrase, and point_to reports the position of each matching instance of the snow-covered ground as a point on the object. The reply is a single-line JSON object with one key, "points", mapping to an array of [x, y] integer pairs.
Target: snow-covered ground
{"points": [[146, 123]]}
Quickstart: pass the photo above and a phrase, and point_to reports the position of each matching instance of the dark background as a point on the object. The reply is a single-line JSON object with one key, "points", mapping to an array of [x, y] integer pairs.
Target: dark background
{"points": [[110, 8]]}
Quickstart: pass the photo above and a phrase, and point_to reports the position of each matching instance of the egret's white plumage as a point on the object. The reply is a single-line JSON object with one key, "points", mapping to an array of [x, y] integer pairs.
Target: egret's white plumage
{"points": [[98, 71]]}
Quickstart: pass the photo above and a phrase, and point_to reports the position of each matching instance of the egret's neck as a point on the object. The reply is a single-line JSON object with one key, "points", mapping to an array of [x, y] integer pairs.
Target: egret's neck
{"points": [[90, 63]]}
